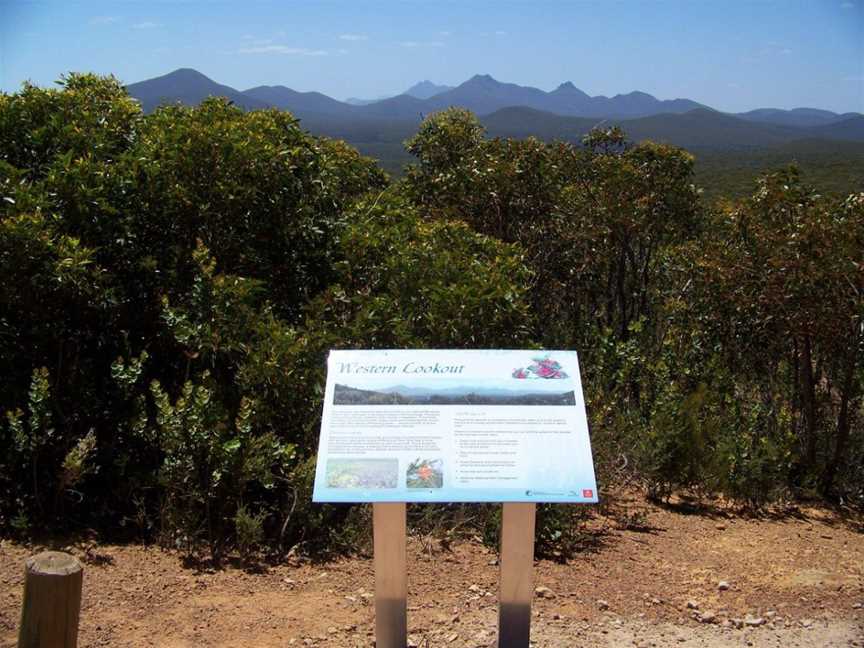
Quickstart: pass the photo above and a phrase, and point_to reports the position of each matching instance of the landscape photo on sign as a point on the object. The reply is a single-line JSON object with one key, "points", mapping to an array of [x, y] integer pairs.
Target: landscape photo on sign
{"points": [[451, 392], [362, 473]]}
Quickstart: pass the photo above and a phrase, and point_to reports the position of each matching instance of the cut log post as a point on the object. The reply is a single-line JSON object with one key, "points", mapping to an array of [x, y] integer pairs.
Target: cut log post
{"points": [[52, 601]]}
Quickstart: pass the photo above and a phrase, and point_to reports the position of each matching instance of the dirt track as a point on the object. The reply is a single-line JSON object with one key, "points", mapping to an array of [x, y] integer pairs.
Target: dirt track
{"points": [[801, 576]]}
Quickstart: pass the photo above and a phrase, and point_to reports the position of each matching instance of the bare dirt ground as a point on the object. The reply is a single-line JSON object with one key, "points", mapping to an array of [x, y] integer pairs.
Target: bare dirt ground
{"points": [[793, 580]]}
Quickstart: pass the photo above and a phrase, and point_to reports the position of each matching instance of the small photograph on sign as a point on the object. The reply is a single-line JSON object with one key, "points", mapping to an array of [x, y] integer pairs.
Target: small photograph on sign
{"points": [[362, 473], [425, 473], [454, 393]]}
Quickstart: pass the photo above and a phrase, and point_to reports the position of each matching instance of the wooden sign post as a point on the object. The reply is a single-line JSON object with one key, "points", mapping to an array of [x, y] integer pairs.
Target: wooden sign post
{"points": [[442, 426], [391, 574], [516, 586]]}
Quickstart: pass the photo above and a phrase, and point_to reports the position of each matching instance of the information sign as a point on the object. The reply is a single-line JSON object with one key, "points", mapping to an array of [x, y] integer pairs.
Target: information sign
{"points": [[454, 426]]}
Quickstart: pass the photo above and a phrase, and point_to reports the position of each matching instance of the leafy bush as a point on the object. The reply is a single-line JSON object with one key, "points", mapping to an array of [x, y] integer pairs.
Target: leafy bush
{"points": [[175, 249]]}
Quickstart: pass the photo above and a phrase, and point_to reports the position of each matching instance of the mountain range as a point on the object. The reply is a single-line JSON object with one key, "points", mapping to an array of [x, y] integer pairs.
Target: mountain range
{"points": [[507, 109], [460, 390], [422, 90]]}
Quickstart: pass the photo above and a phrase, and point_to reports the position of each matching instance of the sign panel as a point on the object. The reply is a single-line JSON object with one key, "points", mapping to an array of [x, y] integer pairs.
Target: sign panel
{"points": [[454, 426]]}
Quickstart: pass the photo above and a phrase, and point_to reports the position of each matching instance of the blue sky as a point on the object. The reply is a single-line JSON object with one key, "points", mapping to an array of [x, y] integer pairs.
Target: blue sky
{"points": [[730, 55]]}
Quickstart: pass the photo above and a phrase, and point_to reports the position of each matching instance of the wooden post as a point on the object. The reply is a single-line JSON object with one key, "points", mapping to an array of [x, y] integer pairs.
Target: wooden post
{"points": [[52, 601], [391, 575], [517, 565]]}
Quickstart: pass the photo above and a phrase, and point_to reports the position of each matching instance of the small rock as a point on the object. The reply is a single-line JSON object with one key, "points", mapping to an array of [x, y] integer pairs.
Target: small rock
{"points": [[707, 617], [474, 588], [738, 623], [723, 586], [603, 605], [692, 605], [770, 614], [451, 638], [857, 606], [721, 527], [656, 601], [806, 622], [412, 642], [753, 622], [493, 562], [544, 592]]}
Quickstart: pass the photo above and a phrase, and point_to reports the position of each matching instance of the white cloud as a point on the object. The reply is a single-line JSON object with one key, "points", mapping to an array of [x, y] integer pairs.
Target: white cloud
{"points": [[500, 33], [104, 20], [421, 44], [282, 49], [146, 25], [445, 34], [354, 37]]}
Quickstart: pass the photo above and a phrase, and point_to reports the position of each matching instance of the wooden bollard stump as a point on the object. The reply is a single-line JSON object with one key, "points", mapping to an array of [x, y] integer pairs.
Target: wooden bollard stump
{"points": [[52, 601]]}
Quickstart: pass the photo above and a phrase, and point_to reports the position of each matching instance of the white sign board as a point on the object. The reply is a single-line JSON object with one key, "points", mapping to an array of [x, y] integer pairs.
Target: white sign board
{"points": [[454, 426]]}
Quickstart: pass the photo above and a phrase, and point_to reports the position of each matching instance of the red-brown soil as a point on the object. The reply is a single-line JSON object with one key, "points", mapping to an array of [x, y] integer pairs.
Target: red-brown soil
{"points": [[802, 574]]}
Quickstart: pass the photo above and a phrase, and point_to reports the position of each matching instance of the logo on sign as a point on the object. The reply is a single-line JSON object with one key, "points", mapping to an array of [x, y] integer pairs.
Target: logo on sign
{"points": [[587, 492], [544, 367]]}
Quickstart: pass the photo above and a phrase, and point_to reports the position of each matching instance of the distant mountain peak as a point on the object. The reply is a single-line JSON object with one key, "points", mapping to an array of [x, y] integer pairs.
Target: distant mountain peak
{"points": [[568, 89], [189, 87], [187, 75], [426, 89], [638, 94]]}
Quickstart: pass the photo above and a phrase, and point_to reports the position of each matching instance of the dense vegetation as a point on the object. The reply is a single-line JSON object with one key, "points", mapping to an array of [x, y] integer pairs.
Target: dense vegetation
{"points": [[173, 282], [836, 168]]}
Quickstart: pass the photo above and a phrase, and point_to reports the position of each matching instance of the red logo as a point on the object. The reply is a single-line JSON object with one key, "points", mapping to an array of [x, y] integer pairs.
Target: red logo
{"points": [[587, 492]]}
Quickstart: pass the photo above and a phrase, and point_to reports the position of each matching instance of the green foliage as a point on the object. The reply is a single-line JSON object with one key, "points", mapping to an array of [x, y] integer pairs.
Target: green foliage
{"points": [[210, 461], [409, 283], [90, 117], [250, 530], [114, 230], [77, 462], [173, 283], [836, 167], [779, 289]]}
